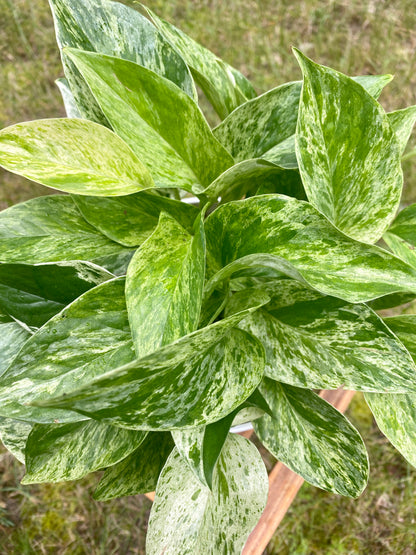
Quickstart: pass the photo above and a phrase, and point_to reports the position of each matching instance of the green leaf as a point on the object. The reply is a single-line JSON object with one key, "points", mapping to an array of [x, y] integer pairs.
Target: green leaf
{"points": [[50, 229], [164, 285], [197, 380], [34, 293], [130, 220], [86, 339], [292, 237], [225, 87], [396, 417], [321, 342], [348, 154], [313, 439], [187, 518], [259, 126], [160, 123], [402, 122], [13, 435], [116, 30], [139, 472], [404, 326], [401, 235], [73, 155], [71, 108], [59, 452], [240, 178], [12, 336]]}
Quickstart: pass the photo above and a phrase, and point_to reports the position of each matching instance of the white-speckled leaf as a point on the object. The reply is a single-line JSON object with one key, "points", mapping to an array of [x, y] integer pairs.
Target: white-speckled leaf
{"points": [[70, 104], [51, 229], [34, 293], [402, 123], [60, 452], [401, 235], [313, 439], [197, 380], [13, 435], [160, 123], [225, 87], [292, 237], [349, 157], [12, 337], [131, 219], [116, 30], [321, 342], [164, 285], [188, 518], [73, 155], [86, 339], [139, 472]]}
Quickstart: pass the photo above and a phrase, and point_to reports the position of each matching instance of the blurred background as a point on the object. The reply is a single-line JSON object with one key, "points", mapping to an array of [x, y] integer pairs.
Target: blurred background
{"points": [[355, 37]]}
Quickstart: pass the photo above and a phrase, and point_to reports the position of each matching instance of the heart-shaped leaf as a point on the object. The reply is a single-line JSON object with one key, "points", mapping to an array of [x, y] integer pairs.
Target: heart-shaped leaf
{"points": [[188, 518], [164, 285], [139, 472], [225, 87], [348, 154], [50, 229], [313, 439], [73, 155], [87, 338], [59, 452], [292, 237], [161, 124]]}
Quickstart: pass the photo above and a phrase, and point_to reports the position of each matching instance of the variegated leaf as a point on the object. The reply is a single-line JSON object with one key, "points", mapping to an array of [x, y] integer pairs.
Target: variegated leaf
{"points": [[260, 125], [13, 435], [402, 122], [139, 472], [73, 155], [164, 285], [401, 235], [313, 439], [188, 518], [161, 124], [50, 229], [225, 87], [349, 157], [12, 337], [114, 29], [321, 342], [87, 338], [404, 326], [130, 220], [290, 236], [34, 293], [60, 452], [70, 104], [197, 380]]}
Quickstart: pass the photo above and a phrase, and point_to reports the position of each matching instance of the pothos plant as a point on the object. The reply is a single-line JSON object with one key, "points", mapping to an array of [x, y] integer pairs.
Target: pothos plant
{"points": [[137, 328]]}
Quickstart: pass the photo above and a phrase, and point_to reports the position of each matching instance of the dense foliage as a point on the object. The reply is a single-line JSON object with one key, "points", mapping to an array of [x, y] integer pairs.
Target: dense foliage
{"points": [[137, 328]]}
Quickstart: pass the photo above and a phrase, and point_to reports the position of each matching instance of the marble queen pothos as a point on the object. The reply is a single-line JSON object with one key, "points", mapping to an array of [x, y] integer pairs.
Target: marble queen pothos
{"points": [[136, 328]]}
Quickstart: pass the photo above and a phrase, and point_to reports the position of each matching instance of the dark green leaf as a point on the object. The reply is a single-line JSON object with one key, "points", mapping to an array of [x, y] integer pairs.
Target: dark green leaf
{"points": [[225, 87], [139, 472], [313, 439], [348, 154], [164, 285], [86, 339], [197, 380], [188, 518], [131, 219], [321, 342], [73, 155], [34, 293], [292, 237], [50, 229], [161, 124], [59, 452]]}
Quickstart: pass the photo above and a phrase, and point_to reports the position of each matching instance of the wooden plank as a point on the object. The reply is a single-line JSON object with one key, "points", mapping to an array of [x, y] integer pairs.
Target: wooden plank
{"points": [[283, 488]]}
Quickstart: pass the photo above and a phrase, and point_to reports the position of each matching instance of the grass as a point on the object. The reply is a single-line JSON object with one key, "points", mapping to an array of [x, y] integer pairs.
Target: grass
{"points": [[356, 37]]}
